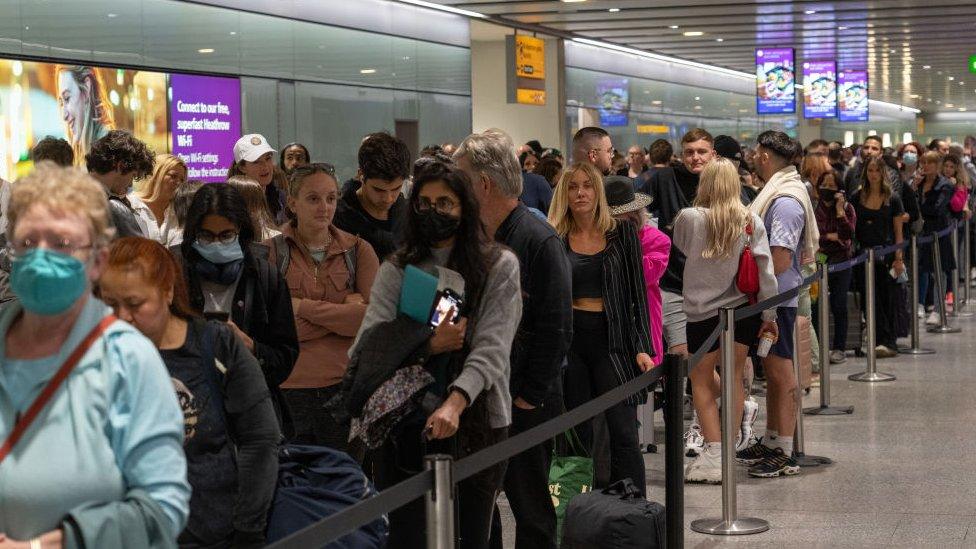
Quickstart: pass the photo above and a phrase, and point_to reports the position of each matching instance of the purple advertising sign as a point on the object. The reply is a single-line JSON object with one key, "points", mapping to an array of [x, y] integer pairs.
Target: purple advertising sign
{"points": [[775, 81], [205, 120], [819, 89], [853, 96]]}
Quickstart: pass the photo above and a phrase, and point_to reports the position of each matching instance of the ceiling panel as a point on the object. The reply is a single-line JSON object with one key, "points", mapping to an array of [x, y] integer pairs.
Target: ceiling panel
{"points": [[916, 53]]}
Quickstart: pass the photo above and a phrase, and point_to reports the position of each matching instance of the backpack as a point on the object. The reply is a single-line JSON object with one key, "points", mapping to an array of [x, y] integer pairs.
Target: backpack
{"points": [[283, 258]]}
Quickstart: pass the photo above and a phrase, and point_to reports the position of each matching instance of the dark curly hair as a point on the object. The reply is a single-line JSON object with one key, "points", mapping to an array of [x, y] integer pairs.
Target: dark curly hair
{"points": [[119, 149], [473, 253], [382, 156], [54, 149]]}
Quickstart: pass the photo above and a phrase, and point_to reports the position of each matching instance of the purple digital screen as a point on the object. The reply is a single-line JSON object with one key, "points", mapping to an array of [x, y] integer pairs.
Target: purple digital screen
{"points": [[205, 120], [775, 81], [819, 89], [852, 103]]}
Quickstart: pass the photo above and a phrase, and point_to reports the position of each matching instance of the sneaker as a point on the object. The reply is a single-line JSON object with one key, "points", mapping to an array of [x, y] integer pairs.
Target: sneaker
{"points": [[882, 351], [750, 411], [921, 311], [694, 441], [774, 465], [933, 319], [838, 357], [707, 468], [753, 454]]}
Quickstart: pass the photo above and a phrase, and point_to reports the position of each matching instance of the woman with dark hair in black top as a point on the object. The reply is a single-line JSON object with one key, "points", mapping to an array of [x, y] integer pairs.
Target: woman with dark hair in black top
{"points": [[229, 279]]}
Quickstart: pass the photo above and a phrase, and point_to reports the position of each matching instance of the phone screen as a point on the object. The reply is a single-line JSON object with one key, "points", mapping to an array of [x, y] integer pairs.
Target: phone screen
{"points": [[446, 300]]}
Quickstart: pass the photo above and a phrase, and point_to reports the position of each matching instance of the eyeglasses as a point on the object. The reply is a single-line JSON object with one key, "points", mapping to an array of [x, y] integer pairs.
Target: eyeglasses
{"points": [[19, 248], [207, 237], [608, 151], [314, 167], [443, 205]]}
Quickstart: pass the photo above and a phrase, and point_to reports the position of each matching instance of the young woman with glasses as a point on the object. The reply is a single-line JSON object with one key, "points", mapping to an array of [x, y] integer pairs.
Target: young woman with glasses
{"points": [[230, 279]]}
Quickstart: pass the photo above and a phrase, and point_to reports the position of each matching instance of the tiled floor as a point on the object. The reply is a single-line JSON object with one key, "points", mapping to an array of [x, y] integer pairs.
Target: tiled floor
{"points": [[905, 462]]}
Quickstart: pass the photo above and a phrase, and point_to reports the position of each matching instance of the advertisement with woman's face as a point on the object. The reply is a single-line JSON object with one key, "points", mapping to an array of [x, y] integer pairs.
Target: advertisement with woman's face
{"points": [[78, 103]]}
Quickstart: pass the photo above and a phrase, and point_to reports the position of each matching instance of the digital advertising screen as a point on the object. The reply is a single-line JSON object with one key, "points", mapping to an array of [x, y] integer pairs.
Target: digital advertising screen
{"points": [[819, 89], [613, 101], [205, 117], [853, 96], [775, 81], [79, 103]]}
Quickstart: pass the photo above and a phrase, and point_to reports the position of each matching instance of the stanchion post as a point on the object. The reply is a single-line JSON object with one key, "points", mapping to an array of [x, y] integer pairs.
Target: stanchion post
{"points": [[823, 306], [954, 273], [440, 503], [940, 296], [916, 348], [730, 524], [871, 374], [801, 457], [674, 458], [967, 263], [959, 302]]}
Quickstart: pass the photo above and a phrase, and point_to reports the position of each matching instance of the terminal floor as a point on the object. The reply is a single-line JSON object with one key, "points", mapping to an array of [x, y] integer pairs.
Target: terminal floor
{"points": [[904, 472]]}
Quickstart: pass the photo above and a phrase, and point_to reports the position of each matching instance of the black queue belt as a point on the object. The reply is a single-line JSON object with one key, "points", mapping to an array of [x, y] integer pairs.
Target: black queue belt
{"points": [[351, 518]]}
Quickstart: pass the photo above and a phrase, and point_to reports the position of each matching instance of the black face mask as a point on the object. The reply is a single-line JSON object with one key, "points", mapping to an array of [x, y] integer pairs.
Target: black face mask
{"points": [[827, 195], [437, 227]]}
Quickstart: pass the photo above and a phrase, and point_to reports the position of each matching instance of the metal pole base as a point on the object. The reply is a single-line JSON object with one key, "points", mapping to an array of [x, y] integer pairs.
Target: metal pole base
{"points": [[871, 377], [828, 410], [738, 527], [945, 330], [911, 351], [806, 460], [963, 314]]}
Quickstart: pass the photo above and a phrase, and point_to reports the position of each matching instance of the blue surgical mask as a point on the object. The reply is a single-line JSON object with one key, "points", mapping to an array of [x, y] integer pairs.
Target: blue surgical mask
{"points": [[219, 253], [46, 282], [910, 159]]}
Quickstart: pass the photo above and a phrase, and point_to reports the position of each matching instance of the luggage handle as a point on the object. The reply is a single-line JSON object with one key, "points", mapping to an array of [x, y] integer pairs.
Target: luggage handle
{"points": [[625, 488]]}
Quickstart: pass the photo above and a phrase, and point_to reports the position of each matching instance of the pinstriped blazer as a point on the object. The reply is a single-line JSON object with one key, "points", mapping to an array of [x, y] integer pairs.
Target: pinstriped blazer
{"points": [[625, 304]]}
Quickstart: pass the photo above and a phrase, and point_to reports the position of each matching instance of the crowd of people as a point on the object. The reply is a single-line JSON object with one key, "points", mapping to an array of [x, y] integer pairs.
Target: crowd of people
{"points": [[177, 333]]}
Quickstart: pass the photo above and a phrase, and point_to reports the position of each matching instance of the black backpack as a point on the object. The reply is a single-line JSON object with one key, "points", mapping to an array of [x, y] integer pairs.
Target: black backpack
{"points": [[283, 258]]}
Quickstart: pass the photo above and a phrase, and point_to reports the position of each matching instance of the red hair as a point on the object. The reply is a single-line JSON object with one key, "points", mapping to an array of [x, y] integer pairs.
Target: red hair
{"points": [[157, 266]]}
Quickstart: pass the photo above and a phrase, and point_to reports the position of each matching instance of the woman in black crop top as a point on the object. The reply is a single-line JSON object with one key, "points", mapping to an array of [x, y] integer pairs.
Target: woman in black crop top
{"points": [[611, 342]]}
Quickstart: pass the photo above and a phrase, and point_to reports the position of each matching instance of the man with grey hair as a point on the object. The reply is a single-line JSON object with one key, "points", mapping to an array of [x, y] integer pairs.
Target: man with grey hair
{"points": [[545, 331]]}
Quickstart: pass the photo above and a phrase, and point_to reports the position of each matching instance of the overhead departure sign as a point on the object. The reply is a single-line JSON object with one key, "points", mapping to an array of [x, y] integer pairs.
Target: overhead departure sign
{"points": [[526, 73]]}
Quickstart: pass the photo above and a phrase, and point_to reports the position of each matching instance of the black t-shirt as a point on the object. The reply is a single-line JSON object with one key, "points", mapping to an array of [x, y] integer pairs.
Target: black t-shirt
{"points": [[876, 227], [213, 404]]}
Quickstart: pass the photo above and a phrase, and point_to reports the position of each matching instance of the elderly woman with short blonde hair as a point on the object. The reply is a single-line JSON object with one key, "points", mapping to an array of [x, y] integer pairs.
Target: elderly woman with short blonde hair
{"points": [[90, 431]]}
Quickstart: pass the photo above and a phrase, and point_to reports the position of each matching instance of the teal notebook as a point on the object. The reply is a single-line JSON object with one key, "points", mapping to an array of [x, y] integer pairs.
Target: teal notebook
{"points": [[417, 293]]}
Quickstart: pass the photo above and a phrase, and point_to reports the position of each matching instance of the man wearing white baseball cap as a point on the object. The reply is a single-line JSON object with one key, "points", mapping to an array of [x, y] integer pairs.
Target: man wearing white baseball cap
{"points": [[253, 158]]}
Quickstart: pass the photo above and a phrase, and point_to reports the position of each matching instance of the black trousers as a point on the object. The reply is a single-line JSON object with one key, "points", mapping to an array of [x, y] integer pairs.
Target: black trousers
{"points": [[527, 484], [402, 457], [884, 303], [589, 375], [839, 283]]}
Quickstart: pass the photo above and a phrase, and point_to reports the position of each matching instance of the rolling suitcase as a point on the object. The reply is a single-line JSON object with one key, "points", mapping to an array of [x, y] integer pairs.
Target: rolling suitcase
{"points": [[803, 352], [645, 432], [616, 517]]}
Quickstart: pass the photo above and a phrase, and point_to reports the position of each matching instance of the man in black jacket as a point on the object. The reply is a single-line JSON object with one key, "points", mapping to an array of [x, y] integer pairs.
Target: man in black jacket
{"points": [[375, 210], [115, 160], [545, 332]]}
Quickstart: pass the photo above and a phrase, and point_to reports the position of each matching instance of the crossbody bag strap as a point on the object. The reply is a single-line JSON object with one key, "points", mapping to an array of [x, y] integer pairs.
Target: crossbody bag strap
{"points": [[52, 386]]}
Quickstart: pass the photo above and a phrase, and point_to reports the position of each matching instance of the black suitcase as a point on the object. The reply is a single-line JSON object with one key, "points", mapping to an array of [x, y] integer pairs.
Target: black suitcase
{"points": [[616, 517]]}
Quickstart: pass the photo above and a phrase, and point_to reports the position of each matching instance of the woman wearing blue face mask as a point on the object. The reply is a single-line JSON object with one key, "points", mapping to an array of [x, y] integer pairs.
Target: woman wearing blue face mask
{"points": [[229, 279], [90, 430]]}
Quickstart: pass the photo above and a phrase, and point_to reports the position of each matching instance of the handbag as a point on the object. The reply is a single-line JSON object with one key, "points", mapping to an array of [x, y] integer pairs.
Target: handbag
{"points": [[569, 476], [25, 421], [747, 278]]}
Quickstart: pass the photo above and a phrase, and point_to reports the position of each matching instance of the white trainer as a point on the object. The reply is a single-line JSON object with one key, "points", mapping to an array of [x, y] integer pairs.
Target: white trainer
{"points": [[933, 319], [694, 440], [707, 468]]}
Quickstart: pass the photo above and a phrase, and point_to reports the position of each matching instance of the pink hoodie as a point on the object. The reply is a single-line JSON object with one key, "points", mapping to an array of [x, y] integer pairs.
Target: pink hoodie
{"points": [[656, 247]]}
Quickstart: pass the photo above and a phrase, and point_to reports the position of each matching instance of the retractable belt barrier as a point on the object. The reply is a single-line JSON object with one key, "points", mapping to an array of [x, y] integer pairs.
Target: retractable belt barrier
{"points": [[673, 367]]}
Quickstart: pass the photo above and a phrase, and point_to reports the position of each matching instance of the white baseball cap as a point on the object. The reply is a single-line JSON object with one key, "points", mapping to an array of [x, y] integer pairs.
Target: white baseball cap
{"points": [[251, 147]]}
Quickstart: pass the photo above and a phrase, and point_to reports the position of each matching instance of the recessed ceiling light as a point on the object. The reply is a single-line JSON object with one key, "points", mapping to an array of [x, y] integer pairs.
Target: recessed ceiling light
{"points": [[112, 15], [613, 10], [693, 33], [367, 71], [233, 33], [951, 78], [810, 12], [697, 98], [962, 109], [720, 40], [950, 105], [656, 102], [842, 28], [674, 27], [926, 67], [697, 107], [572, 1], [913, 96], [205, 50]]}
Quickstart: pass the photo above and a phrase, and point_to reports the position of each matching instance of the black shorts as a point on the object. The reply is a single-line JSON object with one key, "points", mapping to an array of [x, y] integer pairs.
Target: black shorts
{"points": [[786, 322], [746, 331]]}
